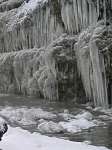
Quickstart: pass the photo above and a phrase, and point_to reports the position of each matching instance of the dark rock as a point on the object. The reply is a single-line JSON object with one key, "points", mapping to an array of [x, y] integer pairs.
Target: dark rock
{"points": [[3, 129]]}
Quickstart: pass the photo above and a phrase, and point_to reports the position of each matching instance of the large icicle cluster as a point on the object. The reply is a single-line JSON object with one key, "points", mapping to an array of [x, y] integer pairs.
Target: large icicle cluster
{"points": [[26, 72], [39, 22], [33, 24], [45, 72], [51, 71], [78, 14], [92, 62]]}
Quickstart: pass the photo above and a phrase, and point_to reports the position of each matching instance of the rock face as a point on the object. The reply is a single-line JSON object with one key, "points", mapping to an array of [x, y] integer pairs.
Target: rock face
{"points": [[3, 128], [57, 49]]}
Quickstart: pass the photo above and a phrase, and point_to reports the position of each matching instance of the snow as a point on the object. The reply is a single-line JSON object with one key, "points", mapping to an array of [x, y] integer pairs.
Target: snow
{"points": [[45, 121], [50, 127], [83, 120], [76, 125], [66, 115], [30, 6], [72, 126], [86, 115], [25, 116], [71, 123], [19, 139]]}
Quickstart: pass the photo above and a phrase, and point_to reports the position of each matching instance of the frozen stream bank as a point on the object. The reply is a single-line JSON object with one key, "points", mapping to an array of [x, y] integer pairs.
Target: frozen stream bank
{"points": [[65, 120], [15, 137]]}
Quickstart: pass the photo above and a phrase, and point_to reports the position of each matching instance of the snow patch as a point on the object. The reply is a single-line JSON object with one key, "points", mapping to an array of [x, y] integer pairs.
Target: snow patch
{"points": [[25, 116], [44, 120], [15, 137], [76, 125], [86, 115], [71, 123], [50, 127], [29, 7]]}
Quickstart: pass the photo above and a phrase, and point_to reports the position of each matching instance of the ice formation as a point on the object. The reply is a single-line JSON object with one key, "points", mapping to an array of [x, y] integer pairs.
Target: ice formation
{"points": [[38, 23], [38, 56], [91, 66]]}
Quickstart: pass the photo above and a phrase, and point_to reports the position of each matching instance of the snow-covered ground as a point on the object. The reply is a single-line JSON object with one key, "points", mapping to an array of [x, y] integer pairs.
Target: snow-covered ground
{"points": [[19, 139]]}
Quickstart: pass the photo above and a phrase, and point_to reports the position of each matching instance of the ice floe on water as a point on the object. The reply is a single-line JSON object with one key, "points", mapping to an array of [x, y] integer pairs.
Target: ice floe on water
{"points": [[19, 139]]}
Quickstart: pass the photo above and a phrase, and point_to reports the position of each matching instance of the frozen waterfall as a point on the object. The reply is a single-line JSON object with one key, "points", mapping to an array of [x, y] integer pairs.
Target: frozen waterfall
{"points": [[91, 65], [37, 54]]}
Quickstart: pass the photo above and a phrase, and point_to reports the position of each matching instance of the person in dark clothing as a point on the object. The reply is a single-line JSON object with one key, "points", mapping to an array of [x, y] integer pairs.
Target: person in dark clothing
{"points": [[3, 131]]}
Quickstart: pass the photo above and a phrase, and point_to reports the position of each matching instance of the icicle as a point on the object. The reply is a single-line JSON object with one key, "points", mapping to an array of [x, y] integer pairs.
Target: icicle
{"points": [[91, 67], [105, 15]]}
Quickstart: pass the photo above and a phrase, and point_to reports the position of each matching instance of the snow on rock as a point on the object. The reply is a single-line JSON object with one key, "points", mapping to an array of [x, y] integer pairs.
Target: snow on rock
{"points": [[86, 115], [30, 6], [76, 125], [50, 127], [25, 116], [15, 137], [83, 120], [72, 124], [44, 120], [66, 115]]}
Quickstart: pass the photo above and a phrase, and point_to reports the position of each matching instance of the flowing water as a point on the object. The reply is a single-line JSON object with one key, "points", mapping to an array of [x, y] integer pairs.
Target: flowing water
{"points": [[100, 135]]}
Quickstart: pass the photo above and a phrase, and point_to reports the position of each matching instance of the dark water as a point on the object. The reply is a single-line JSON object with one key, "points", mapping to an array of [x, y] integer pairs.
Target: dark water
{"points": [[101, 136]]}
